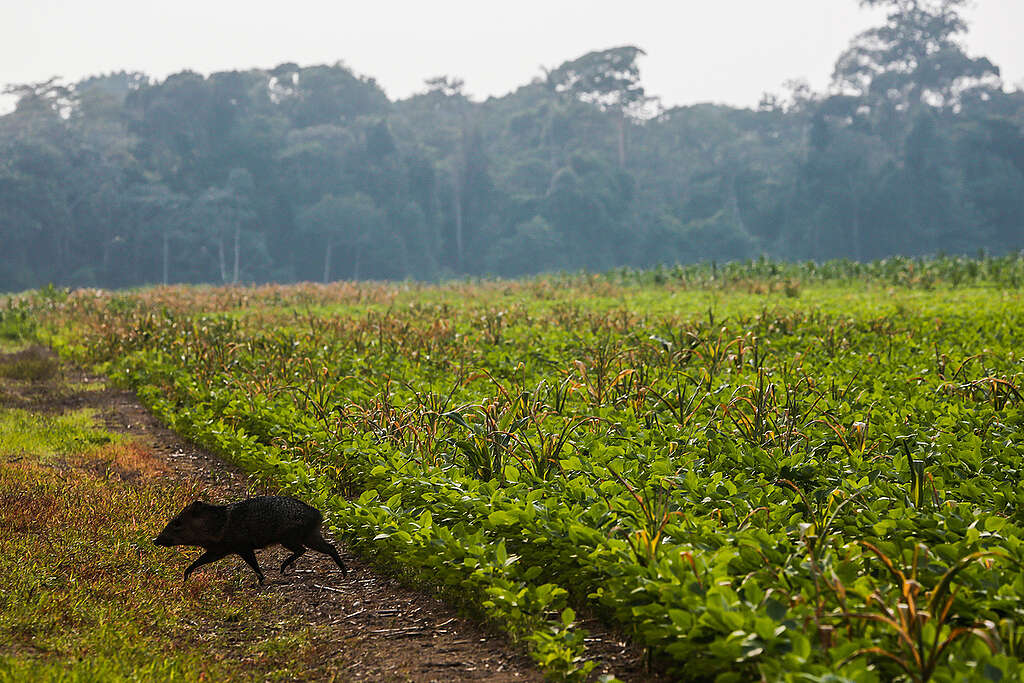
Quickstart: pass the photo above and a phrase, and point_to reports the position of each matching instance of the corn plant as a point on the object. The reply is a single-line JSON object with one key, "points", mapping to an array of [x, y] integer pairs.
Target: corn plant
{"points": [[650, 516], [544, 446], [491, 440], [600, 371], [921, 622], [681, 407]]}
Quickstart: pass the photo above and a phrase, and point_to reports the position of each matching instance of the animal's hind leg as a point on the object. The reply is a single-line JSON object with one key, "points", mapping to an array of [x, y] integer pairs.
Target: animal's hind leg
{"points": [[297, 551], [316, 542], [250, 559]]}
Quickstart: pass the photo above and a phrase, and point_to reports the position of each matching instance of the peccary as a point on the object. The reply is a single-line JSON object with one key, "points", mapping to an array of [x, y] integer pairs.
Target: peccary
{"points": [[246, 525]]}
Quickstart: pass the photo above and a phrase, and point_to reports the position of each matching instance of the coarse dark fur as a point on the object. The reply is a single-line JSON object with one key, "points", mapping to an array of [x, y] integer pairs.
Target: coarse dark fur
{"points": [[242, 527]]}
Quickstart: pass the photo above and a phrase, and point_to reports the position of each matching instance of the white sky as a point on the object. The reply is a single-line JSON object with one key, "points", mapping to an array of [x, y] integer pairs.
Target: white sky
{"points": [[726, 51]]}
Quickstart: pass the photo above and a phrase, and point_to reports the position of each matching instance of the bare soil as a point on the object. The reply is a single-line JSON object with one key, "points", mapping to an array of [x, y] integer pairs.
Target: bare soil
{"points": [[385, 631]]}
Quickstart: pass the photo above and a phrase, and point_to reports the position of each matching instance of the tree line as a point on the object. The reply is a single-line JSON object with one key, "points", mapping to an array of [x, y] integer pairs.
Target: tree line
{"points": [[312, 173]]}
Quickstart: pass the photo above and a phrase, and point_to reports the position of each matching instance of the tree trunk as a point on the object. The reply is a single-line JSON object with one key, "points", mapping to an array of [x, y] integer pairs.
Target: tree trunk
{"points": [[166, 249], [327, 261], [220, 260], [106, 255], [458, 220], [238, 231], [732, 200], [622, 139], [58, 253], [855, 227]]}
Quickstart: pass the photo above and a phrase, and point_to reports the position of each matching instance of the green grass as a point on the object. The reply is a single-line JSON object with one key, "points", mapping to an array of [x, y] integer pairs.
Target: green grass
{"points": [[99, 669], [84, 594], [40, 435]]}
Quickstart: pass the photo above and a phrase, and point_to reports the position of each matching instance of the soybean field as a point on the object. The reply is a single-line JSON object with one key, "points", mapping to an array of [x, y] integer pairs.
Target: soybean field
{"points": [[755, 471]]}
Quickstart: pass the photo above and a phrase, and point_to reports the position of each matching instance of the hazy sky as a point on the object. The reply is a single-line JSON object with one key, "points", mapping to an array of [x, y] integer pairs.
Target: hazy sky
{"points": [[728, 51]]}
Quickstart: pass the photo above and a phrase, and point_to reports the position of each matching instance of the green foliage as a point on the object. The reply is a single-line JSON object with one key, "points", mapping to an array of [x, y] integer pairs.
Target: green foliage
{"points": [[311, 173], [535, 246], [16, 323], [749, 483]]}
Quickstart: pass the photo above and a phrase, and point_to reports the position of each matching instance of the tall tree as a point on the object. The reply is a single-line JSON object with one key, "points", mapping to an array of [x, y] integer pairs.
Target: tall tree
{"points": [[161, 213], [240, 188], [262, 174], [608, 79], [226, 211], [351, 220], [461, 157], [915, 59]]}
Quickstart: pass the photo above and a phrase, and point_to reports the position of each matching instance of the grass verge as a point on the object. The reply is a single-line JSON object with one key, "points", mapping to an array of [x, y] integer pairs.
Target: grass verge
{"points": [[84, 595]]}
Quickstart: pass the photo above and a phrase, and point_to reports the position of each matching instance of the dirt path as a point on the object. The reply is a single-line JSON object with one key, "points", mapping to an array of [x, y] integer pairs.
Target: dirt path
{"points": [[383, 630]]}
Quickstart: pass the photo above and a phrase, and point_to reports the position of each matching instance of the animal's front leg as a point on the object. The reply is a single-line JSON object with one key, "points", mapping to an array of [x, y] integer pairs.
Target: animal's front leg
{"points": [[206, 558]]}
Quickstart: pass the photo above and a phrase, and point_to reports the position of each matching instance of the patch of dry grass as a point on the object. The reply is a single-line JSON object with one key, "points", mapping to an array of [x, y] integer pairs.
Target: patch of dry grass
{"points": [[32, 364], [84, 594]]}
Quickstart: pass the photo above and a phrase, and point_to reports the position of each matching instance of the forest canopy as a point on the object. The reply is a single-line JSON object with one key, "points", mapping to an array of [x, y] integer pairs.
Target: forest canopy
{"points": [[313, 173]]}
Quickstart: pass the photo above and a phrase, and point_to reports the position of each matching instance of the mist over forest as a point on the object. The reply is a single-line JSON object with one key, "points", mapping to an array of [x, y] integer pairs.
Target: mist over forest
{"points": [[313, 173]]}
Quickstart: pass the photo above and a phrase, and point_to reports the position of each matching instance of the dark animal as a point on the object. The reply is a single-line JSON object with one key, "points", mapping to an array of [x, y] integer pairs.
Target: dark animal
{"points": [[242, 527]]}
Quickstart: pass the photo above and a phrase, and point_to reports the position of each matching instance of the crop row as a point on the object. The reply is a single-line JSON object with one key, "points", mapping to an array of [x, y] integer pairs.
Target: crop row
{"points": [[785, 491]]}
